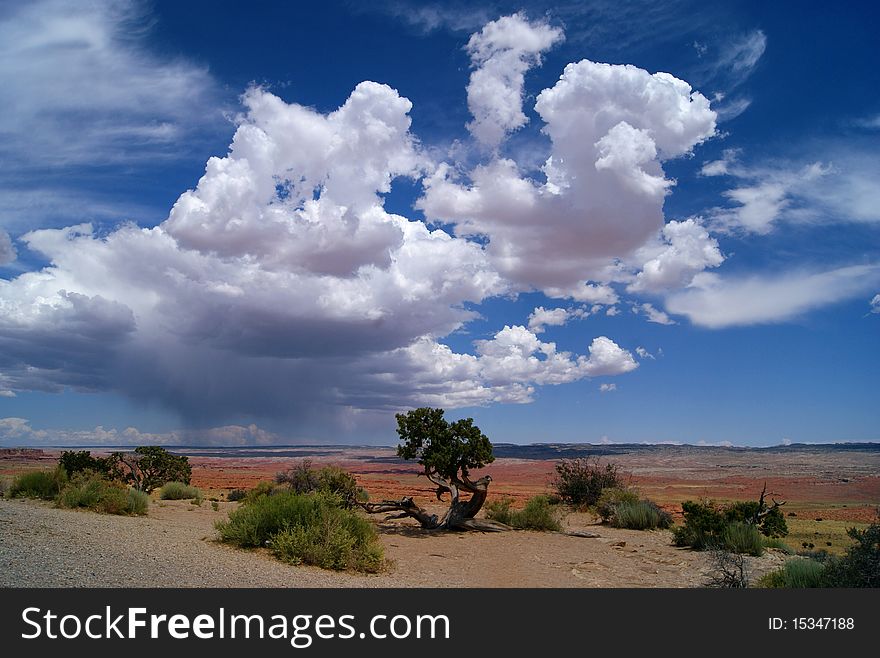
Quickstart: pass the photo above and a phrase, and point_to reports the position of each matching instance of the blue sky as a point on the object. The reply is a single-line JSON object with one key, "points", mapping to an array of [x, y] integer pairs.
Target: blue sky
{"points": [[592, 221]]}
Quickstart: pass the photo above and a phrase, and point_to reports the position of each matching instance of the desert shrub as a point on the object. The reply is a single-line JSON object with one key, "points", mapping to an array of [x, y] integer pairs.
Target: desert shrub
{"points": [[772, 524], [330, 537], [640, 515], [215, 506], [743, 538], [580, 481], [538, 514], [138, 502], [704, 524], [262, 490], [178, 491], [727, 570], [860, 566], [499, 510], [305, 529], [797, 573], [611, 497], [93, 491], [302, 479], [38, 484], [707, 525], [777, 543], [4, 487], [236, 495]]}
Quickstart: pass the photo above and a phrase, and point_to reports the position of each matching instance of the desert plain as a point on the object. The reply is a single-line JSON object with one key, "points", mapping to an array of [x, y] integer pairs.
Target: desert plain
{"points": [[826, 489]]}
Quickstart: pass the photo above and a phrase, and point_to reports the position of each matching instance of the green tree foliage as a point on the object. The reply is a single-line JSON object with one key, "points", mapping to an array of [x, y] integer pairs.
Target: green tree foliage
{"points": [[150, 467], [80, 461], [737, 526], [860, 567], [443, 448]]}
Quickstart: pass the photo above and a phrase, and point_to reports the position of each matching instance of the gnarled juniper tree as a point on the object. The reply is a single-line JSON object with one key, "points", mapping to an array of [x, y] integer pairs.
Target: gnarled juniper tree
{"points": [[447, 452]]}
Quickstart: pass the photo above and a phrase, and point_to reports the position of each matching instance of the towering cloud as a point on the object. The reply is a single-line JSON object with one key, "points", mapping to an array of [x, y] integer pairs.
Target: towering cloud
{"points": [[501, 53], [602, 194]]}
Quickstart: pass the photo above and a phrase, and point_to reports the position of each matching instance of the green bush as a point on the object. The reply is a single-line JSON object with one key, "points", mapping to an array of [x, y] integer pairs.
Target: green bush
{"points": [[138, 502], [640, 515], [305, 529], [330, 537], [92, 491], [703, 527], [580, 482], [178, 491], [236, 495], [538, 514], [743, 538], [860, 566], [797, 573], [38, 484], [262, 490], [610, 498], [772, 524], [301, 478]]}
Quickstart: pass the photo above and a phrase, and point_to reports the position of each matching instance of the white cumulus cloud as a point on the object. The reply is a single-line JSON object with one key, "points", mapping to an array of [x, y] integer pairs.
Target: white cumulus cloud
{"points": [[611, 127], [501, 53]]}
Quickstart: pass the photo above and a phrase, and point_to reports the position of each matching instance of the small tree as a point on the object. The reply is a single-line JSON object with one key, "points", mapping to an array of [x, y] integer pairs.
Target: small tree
{"points": [[150, 467], [446, 452], [80, 461]]}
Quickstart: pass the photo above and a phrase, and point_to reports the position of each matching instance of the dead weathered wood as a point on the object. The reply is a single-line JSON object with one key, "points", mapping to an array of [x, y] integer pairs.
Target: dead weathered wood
{"points": [[461, 512]]}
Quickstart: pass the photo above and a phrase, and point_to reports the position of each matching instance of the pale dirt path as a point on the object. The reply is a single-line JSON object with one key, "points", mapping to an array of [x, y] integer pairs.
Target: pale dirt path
{"points": [[41, 546]]}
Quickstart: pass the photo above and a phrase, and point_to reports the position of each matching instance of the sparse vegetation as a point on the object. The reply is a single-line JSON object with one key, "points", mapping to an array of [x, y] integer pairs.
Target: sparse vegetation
{"points": [[178, 491], [775, 542], [737, 527], [312, 528], [860, 566], [538, 514], [727, 570], [795, 573], [611, 497], [742, 538], [138, 502], [639, 515], [95, 492], [302, 478], [235, 495], [580, 482], [44, 485]]}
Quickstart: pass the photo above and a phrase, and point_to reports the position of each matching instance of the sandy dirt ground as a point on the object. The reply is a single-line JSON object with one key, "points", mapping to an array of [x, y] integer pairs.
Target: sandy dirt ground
{"points": [[41, 546]]}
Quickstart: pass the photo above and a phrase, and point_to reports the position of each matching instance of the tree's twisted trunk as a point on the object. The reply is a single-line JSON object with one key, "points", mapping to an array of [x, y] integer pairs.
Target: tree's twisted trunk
{"points": [[459, 516]]}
